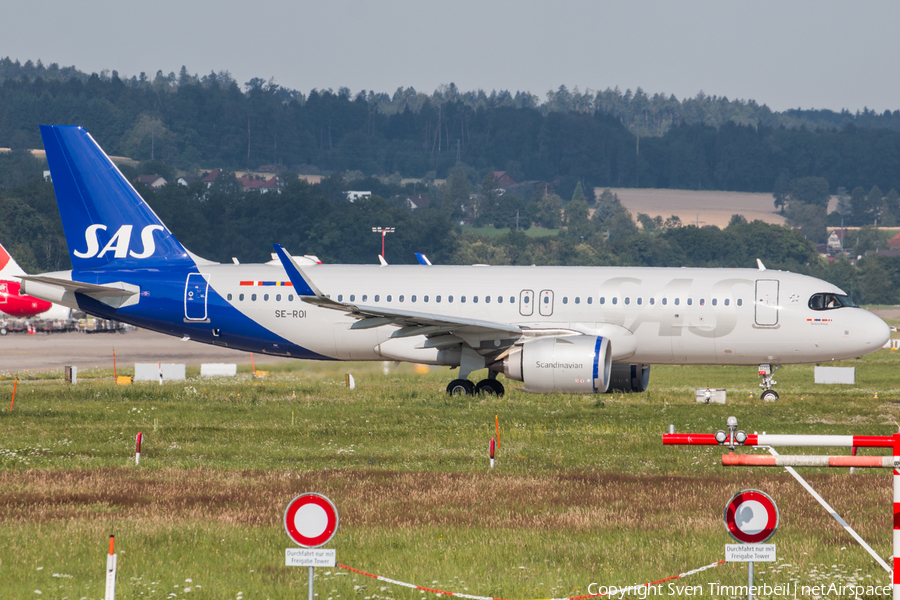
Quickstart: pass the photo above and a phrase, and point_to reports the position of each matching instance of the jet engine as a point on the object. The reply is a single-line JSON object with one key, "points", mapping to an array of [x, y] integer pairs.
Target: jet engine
{"points": [[577, 364], [629, 378]]}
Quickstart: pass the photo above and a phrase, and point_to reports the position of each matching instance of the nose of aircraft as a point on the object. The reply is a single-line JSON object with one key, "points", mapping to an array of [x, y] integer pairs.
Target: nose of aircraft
{"points": [[874, 332]]}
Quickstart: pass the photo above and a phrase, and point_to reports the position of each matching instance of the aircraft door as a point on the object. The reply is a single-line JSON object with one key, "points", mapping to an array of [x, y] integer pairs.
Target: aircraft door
{"points": [[526, 303], [766, 302], [195, 292], [546, 303], [4, 292]]}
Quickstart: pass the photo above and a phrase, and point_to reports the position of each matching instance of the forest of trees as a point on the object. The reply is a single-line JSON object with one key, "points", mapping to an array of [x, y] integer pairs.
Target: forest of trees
{"points": [[605, 138], [567, 145]]}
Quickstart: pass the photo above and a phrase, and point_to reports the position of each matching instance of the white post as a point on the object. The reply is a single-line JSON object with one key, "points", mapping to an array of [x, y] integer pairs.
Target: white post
{"points": [[111, 571], [750, 580], [895, 576], [311, 583]]}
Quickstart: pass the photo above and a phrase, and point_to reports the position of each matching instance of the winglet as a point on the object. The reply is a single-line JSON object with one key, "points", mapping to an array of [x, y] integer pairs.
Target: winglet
{"points": [[301, 284], [423, 260]]}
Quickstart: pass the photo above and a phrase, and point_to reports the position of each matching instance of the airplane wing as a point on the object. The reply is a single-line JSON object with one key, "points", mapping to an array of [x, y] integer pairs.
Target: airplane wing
{"points": [[409, 323]]}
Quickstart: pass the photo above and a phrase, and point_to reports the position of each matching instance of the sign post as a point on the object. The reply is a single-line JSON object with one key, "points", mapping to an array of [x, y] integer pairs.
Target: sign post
{"points": [[751, 518], [311, 520]]}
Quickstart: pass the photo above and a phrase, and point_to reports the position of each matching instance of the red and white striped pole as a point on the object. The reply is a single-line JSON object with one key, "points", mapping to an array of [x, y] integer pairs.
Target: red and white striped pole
{"points": [[895, 577], [137, 448], [491, 451]]}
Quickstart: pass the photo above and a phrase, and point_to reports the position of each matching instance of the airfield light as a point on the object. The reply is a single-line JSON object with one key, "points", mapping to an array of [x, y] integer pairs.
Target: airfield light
{"points": [[721, 437], [383, 231], [740, 437]]}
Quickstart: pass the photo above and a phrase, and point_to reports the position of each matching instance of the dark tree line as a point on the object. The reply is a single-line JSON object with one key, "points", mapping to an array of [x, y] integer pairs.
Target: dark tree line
{"points": [[193, 123]]}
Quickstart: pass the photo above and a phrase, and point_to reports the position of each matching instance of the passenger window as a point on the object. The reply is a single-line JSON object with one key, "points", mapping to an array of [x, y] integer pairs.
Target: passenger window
{"points": [[400, 298], [590, 299], [652, 301], [388, 297], [290, 297], [740, 302], [413, 298], [727, 301], [229, 297], [702, 302], [253, 297], [640, 300], [665, 301], [463, 299], [499, 299], [377, 297], [602, 300], [425, 298], [512, 299], [690, 301], [577, 300], [627, 300], [352, 297], [527, 299], [487, 299], [277, 297], [475, 299], [241, 297], [449, 298], [677, 301], [340, 297], [437, 298], [266, 297], [615, 300], [365, 297], [547, 300], [565, 300]]}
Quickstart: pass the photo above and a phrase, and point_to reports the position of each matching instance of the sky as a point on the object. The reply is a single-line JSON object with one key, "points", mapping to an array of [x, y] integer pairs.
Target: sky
{"points": [[785, 54]]}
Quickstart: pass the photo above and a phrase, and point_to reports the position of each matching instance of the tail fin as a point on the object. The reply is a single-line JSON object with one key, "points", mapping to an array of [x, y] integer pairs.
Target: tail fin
{"points": [[9, 268], [106, 221]]}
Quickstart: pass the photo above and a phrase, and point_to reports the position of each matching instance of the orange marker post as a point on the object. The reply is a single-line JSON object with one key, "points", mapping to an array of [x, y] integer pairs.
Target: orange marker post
{"points": [[497, 422], [13, 401], [111, 571], [252, 365]]}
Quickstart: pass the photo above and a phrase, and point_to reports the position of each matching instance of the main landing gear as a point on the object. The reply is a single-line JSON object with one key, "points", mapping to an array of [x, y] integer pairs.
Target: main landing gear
{"points": [[489, 386], [768, 374]]}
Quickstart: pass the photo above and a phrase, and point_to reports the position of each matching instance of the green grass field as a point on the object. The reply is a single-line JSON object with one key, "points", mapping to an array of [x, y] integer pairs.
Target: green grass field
{"points": [[583, 491]]}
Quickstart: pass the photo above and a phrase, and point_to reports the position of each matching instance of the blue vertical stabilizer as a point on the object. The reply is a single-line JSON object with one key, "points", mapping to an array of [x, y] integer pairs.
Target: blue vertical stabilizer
{"points": [[106, 221]]}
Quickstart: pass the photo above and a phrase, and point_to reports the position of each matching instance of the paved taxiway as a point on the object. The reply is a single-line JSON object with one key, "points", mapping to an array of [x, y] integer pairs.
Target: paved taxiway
{"points": [[19, 352]]}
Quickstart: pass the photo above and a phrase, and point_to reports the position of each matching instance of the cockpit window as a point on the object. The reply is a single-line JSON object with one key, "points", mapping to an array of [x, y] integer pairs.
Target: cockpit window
{"points": [[829, 301]]}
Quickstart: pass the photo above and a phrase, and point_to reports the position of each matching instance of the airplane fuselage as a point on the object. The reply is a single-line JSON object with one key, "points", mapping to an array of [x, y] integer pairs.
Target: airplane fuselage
{"points": [[650, 315]]}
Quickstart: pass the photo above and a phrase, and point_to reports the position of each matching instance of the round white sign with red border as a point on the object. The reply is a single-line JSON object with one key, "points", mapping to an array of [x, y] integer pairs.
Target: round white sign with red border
{"points": [[311, 520], [751, 517]]}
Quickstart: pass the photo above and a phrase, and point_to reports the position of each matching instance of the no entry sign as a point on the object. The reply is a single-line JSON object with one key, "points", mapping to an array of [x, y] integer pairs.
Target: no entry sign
{"points": [[311, 520], [751, 517]]}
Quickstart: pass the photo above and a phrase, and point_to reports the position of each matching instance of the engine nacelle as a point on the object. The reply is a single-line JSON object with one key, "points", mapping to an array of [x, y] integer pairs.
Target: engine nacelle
{"points": [[578, 364], [629, 378]]}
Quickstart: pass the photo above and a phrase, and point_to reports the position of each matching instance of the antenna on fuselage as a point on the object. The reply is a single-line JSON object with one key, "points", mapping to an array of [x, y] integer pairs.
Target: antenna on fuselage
{"points": [[759, 264]]}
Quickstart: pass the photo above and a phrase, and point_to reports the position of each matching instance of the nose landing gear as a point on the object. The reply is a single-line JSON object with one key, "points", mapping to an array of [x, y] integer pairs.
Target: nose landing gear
{"points": [[768, 374]]}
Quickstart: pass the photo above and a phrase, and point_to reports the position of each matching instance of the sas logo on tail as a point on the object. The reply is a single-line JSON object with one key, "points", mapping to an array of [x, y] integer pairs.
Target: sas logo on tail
{"points": [[120, 242]]}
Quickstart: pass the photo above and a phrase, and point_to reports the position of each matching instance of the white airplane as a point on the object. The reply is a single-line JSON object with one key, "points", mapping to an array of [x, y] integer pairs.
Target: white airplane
{"points": [[555, 329]]}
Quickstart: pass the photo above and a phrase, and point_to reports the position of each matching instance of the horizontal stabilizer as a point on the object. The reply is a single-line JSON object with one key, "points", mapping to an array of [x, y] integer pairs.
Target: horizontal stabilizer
{"points": [[116, 294]]}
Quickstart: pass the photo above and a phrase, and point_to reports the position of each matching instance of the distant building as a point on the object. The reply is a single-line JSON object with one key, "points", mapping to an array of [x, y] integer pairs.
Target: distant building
{"points": [[255, 183], [210, 178], [152, 181], [835, 241], [354, 196], [417, 201], [504, 180], [187, 180], [894, 242]]}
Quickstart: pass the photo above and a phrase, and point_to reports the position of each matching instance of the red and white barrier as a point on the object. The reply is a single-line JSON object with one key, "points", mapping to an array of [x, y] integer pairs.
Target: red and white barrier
{"points": [[613, 590], [806, 441], [491, 449], [137, 448], [802, 460]]}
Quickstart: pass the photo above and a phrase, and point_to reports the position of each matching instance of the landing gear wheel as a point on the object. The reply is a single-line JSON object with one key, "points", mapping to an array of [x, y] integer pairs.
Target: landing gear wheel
{"points": [[769, 395], [491, 387], [461, 387]]}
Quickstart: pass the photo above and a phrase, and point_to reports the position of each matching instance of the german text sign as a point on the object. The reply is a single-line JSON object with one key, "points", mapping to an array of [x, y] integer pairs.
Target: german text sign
{"points": [[749, 552], [310, 557]]}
